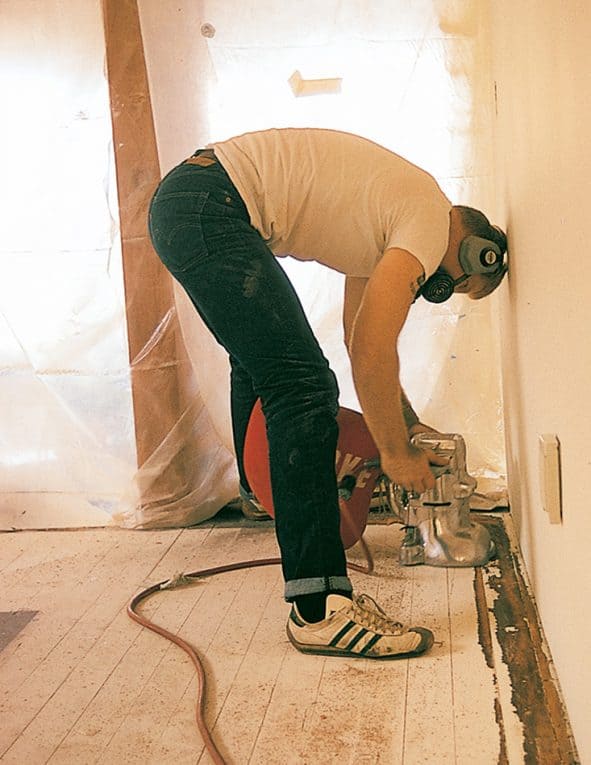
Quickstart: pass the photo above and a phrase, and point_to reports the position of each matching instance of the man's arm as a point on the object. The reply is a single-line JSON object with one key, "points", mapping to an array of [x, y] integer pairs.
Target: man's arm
{"points": [[354, 289], [383, 308]]}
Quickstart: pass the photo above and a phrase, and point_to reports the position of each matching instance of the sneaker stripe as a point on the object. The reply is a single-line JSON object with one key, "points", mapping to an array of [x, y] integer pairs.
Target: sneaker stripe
{"points": [[357, 638], [370, 644], [341, 633]]}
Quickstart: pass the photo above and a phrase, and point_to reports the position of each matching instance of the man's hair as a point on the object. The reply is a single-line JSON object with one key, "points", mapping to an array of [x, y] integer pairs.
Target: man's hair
{"points": [[477, 224]]}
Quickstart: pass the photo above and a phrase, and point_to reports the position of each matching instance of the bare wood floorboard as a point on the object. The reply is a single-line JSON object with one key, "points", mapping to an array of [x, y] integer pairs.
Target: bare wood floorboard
{"points": [[81, 683]]}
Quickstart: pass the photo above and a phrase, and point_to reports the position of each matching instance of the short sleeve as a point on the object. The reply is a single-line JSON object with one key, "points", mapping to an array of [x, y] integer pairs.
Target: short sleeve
{"points": [[421, 227]]}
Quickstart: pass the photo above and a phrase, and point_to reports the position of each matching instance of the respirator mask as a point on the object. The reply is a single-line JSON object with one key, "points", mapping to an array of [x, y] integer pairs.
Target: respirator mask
{"points": [[476, 256]]}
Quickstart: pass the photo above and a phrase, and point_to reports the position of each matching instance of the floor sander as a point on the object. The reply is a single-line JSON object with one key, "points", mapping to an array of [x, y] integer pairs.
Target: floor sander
{"points": [[438, 528]]}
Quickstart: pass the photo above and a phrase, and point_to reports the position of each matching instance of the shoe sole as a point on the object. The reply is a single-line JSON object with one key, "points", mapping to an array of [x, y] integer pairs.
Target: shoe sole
{"points": [[426, 643], [252, 512]]}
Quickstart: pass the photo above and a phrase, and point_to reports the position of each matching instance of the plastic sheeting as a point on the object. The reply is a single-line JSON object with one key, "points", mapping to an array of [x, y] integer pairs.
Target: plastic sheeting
{"points": [[66, 444], [413, 77]]}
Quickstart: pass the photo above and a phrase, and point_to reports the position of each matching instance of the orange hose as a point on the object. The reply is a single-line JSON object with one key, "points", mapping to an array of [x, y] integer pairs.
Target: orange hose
{"points": [[208, 741]]}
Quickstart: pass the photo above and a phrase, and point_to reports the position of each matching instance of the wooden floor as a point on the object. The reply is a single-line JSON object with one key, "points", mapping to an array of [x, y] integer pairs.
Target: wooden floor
{"points": [[81, 683]]}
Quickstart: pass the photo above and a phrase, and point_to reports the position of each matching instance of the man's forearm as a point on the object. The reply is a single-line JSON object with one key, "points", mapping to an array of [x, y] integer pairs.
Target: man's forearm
{"points": [[384, 308], [375, 374]]}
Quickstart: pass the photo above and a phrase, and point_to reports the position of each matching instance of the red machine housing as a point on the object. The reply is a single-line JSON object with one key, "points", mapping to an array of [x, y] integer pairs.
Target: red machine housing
{"points": [[355, 448]]}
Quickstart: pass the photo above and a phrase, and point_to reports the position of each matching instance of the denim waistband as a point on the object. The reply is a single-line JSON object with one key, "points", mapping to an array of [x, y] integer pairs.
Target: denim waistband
{"points": [[202, 173]]}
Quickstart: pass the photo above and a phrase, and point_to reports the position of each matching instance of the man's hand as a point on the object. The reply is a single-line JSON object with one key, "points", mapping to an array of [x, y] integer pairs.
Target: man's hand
{"points": [[411, 469]]}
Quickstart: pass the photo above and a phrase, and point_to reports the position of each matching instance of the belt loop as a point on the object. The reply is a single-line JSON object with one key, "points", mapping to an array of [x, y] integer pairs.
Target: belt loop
{"points": [[202, 157]]}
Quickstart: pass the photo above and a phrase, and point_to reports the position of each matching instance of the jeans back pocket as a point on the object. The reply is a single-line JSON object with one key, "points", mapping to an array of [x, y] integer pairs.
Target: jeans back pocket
{"points": [[175, 226]]}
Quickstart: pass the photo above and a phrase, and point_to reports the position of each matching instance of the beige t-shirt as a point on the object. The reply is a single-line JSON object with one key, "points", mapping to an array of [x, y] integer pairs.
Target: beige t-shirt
{"points": [[336, 198]]}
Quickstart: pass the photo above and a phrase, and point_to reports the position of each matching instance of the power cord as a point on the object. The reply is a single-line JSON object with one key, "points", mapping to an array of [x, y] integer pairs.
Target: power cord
{"points": [[183, 579]]}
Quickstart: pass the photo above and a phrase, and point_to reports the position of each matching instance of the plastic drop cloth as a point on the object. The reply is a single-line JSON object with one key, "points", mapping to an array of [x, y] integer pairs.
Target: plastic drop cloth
{"points": [[413, 77]]}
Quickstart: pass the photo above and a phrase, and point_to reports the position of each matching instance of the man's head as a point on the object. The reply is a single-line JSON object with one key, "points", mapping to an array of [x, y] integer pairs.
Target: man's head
{"points": [[474, 223], [473, 263], [465, 222]]}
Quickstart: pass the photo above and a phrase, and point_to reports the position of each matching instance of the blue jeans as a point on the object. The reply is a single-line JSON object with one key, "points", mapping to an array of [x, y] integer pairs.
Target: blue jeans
{"points": [[201, 230]]}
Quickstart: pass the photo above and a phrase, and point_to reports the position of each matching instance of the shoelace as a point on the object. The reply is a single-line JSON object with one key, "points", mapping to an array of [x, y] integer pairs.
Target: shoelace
{"points": [[368, 613]]}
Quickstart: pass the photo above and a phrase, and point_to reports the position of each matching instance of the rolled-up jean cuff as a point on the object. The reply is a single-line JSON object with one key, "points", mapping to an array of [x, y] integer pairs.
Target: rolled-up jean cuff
{"points": [[297, 587]]}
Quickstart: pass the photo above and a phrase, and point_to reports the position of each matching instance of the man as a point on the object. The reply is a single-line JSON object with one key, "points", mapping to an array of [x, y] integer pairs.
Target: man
{"points": [[218, 221]]}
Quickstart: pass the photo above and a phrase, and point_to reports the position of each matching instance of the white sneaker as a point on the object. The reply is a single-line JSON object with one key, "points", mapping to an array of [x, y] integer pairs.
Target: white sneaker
{"points": [[358, 628]]}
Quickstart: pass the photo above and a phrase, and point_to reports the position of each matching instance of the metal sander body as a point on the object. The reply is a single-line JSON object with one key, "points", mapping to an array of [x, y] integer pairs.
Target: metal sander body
{"points": [[439, 530]]}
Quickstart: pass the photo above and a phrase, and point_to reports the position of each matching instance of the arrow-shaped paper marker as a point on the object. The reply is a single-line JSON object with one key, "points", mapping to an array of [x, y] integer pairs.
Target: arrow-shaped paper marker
{"points": [[301, 87]]}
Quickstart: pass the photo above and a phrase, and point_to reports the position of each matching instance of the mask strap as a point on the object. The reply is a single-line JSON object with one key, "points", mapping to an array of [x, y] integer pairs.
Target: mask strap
{"points": [[461, 279]]}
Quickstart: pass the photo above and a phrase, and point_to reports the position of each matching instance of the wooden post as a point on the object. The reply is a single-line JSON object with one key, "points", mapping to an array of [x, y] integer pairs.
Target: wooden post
{"points": [[156, 352]]}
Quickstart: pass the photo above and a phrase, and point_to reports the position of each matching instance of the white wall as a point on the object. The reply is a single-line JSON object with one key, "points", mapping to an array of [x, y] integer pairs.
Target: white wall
{"points": [[542, 71]]}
